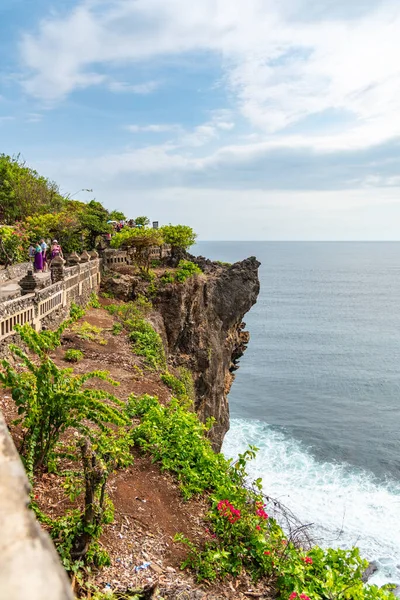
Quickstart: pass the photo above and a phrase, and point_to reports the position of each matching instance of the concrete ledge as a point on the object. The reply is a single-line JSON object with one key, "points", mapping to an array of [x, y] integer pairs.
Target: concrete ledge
{"points": [[29, 563]]}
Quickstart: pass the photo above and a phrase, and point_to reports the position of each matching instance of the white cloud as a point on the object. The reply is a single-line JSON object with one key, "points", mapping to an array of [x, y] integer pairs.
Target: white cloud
{"points": [[280, 67], [144, 88], [157, 128]]}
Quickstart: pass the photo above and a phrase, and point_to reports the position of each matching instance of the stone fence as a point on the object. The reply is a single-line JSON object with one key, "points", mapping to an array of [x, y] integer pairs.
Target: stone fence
{"points": [[30, 566], [14, 271], [49, 306], [114, 258]]}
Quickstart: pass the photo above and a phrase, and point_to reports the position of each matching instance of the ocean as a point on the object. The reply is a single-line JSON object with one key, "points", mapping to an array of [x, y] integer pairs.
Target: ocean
{"points": [[318, 390]]}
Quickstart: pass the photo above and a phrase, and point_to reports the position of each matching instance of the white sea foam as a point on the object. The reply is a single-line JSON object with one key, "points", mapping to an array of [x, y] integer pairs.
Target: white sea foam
{"points": [[347, 506]]}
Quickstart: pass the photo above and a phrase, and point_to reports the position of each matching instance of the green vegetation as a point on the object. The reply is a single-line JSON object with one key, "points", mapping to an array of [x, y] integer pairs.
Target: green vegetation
{"points": [[146, 342], [32, 207], [93, 301], [24, 192], [186, 269], [182, 386], [117, 328], [142, 221], [91, 333], [138, 241], [73, 356], [241, 536], [180, 237], [51, 400]]}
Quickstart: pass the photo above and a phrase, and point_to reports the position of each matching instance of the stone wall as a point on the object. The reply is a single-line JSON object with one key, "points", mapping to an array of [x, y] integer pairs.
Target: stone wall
{"points": [[14, 271], [114, 258], [30, 567], [50, 305]]}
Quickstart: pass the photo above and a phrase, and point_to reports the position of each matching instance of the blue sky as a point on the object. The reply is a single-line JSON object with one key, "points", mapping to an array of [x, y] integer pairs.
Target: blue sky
{"points": [[248, 119]]}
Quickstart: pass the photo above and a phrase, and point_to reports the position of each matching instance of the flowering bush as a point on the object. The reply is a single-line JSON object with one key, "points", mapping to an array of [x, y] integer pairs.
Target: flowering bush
{"points": [[13, 245], [241, 536]]}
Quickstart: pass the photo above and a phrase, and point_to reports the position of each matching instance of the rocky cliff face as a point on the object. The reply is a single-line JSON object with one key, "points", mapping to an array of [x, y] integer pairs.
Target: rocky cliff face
{"points": [[203, 321]]}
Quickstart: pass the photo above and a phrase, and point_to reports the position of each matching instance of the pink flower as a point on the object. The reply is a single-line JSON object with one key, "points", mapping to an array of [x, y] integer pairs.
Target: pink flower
{"points": [[304, 597], [258, 528], [293, 595]]}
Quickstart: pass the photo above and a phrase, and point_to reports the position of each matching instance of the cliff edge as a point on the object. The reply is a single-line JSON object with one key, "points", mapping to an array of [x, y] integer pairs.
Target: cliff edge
{"points": [[203, 322]]}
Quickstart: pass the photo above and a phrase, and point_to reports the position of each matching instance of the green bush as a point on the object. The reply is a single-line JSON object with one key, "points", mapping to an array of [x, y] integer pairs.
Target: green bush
{"points": [[185, 270], [50, 400], [168, 277], [174, 384], [73, 356], [94, 301], [182, 386], [242, 537], [146, 342], [91, 333], [117, 328]]}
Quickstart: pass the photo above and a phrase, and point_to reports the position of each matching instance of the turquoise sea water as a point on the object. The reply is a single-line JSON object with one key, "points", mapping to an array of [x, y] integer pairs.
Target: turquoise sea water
{"points": [[318, 390]]}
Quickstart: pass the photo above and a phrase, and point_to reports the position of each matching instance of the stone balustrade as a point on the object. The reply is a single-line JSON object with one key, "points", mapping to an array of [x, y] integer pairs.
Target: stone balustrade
{"points": [[49, 305]]}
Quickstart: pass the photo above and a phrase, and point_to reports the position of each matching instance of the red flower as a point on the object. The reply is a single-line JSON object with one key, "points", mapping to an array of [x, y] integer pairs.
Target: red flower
{"points": [[304, 597], [226, 509], [260, 512], [267, 552], [258, 528], [293, 595], [308, 560]]}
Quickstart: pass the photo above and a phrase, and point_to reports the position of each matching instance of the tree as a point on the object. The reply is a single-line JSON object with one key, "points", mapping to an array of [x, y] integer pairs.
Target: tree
{"points": [[180, 237], [138, 242], [94, 219], [116, 215], [142, 221], [24, 192]]}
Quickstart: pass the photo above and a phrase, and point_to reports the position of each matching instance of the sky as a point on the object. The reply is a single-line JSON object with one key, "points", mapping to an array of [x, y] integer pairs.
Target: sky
{"points": [[247, 119]]}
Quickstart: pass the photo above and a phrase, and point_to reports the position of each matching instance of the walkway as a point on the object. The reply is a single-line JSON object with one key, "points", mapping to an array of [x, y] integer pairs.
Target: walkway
{"points": [[10, 289]]}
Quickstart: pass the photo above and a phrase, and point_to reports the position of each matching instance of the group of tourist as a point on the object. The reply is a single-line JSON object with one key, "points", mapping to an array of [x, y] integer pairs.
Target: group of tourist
{"points": [[41, 255]]}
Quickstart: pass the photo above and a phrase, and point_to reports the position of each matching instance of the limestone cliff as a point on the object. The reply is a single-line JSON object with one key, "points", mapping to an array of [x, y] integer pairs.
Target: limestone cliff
{"points": [[203, 321]]}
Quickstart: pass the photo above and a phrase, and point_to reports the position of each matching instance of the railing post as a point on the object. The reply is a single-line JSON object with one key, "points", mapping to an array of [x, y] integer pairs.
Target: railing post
{"points": [[28, 284], [57, 269]]}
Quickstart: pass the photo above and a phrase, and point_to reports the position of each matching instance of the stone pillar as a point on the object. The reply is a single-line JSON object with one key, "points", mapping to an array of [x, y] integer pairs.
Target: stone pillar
{"points": [[73, 259], [57, 269], [28, 283], [85, 257]]}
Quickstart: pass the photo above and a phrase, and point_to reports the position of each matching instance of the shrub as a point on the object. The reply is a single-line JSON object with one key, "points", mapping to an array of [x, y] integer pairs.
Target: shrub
{"points": [[168, 277], [50, 400], [182, 386], [145, 340], [94, 301], [86, 331], [117, 328], [147, 343], [178, 236], [73, 356], [185, 270], [242, 536]]}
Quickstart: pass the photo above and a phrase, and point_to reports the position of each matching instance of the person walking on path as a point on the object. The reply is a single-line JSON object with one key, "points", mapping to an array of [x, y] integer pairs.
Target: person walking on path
{"points": [[38, 262], [55, 250], [43, 245], [31, 253]]}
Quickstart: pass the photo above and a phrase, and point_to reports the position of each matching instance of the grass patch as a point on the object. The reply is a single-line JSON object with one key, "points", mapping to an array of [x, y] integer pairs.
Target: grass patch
{"points": [[91, 333], [73, 356], [146, 342]]}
